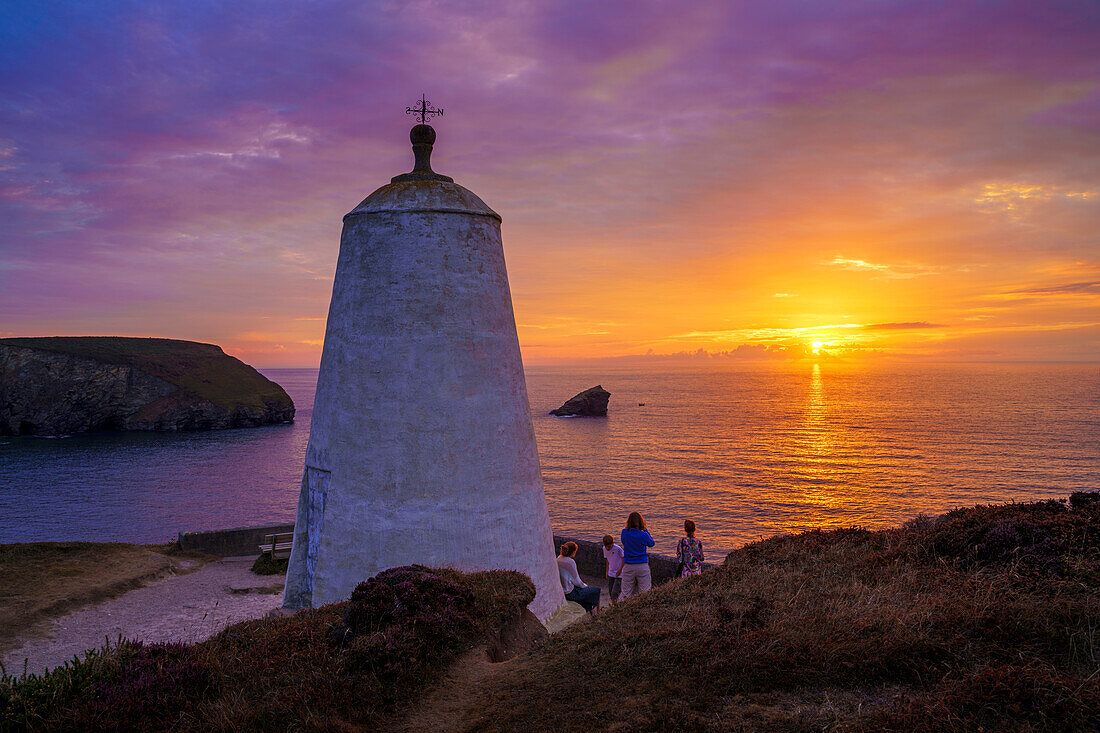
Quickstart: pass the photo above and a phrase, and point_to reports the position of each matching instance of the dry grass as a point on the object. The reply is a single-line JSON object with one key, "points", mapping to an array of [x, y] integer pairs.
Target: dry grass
{"points": [[41, 580], [345, 666], [984, 619], [907, 629]]}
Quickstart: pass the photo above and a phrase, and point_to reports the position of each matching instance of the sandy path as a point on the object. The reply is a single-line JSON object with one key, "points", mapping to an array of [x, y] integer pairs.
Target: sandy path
{"points": [[189, 607]]}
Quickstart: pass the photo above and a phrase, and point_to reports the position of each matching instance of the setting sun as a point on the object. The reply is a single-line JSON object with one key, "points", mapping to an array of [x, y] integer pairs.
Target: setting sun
{"points": [[878, 213], [813, 287]]}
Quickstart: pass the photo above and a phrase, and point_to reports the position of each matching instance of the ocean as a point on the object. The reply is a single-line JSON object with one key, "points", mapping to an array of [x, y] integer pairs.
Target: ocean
{"points": [[746, 451]]}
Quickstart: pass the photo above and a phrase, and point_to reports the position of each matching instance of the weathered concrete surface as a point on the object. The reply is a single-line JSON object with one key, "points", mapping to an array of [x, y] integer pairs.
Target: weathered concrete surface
{"points": [[230, 542], [421, 448]]}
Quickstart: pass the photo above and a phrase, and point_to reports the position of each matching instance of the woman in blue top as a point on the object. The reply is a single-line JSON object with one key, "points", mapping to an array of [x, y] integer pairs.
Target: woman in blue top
{"points": [[636, 539]]}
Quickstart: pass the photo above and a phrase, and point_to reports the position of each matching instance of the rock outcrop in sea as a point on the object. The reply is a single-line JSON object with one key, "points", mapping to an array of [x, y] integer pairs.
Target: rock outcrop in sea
{"points": [[66, 385], [590, 403]]}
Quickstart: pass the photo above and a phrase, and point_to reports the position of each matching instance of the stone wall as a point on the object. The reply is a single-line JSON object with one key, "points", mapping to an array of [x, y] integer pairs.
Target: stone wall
{"points": [[230, 542], [591, 563], [246, 540]]}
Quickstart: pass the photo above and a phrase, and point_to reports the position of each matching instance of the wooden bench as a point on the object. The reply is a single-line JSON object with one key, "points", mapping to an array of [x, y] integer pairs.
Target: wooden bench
{"points": [[277, 544]]}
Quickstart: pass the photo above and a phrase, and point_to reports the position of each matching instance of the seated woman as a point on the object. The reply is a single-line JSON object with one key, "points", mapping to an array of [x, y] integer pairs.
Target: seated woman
{"points": [[575, 589]]}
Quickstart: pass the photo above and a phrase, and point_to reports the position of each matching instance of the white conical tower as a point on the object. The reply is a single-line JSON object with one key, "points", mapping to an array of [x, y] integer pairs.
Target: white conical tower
{"points": [[421, 448]]}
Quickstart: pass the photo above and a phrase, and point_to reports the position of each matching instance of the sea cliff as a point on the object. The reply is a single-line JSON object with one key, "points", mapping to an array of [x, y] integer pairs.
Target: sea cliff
{"points": [[66, 385]]}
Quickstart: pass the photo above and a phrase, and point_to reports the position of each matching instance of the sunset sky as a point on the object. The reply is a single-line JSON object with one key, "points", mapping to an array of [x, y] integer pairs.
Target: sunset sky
{"points": [[876, 180]]}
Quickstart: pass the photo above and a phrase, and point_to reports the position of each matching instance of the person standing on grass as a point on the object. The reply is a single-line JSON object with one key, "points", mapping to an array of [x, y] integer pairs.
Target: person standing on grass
{"points": [[613, 556], [689, 553], [575, 589], [635, 538]]}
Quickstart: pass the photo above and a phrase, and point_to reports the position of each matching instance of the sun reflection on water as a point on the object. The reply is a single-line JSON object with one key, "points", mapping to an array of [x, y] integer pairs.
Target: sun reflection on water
{"points": [[744, 451]]}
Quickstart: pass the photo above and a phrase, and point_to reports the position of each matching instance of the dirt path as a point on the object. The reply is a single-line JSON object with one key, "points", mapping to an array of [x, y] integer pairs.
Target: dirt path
{"points": [[188, 607], [444, 707]]}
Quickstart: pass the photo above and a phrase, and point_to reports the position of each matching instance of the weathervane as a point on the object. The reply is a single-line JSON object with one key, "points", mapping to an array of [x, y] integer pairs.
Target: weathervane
{"points": [[425, 110], [422, 137]]}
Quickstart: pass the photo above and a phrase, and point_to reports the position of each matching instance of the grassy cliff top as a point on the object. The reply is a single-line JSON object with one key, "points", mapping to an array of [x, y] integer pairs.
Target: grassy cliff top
{"points": [[986, 618], [200, 369]]}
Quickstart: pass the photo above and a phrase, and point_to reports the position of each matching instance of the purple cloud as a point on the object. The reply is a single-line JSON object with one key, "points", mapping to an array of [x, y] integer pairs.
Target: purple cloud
{"points": [[197, 157]]}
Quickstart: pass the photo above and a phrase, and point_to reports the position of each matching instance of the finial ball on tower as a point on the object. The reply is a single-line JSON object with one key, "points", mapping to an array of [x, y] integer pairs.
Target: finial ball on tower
{"points": [[423, 138], [422, 135]]}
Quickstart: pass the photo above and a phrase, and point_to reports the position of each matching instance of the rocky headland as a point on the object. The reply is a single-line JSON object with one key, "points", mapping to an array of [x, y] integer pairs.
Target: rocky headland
{"points": [[66, 385], [590, 403]]}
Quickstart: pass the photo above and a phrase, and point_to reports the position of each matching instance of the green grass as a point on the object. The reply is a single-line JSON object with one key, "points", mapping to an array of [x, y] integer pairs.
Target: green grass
{"points": [[199, 369]]}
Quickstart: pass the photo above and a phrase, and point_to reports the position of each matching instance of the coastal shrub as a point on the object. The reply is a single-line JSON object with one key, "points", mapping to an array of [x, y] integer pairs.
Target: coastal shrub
{"points": [[276, 674], [497, 595], [410, 596], [126, 687], [401, 620], [266, 564], [1047, 538], [345, 664], [1001, 697], [358, 660], [1080, 499], [26, 700], [407, 619], [150, 689], [793, 549]]}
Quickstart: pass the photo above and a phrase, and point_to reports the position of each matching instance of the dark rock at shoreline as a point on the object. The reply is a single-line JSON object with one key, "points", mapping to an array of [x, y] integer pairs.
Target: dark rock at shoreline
{"points": [[590, 403], [66, 385]]}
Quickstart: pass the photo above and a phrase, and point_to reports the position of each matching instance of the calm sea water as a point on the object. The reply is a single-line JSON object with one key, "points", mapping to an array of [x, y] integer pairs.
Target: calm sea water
{"points": [[745, 451]]}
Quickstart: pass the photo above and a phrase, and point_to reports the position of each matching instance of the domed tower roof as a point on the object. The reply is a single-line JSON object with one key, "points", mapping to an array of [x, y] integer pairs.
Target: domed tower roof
{"points": [[422, 189], [423, 196]]}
